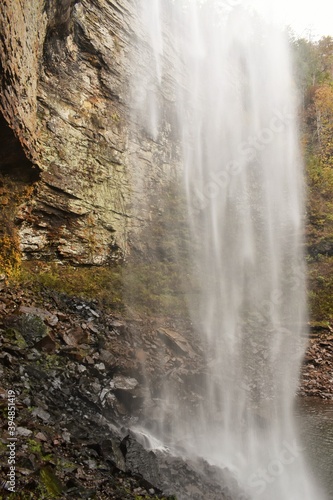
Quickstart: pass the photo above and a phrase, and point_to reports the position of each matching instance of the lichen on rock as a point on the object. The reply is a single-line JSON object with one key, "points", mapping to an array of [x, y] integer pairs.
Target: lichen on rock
{"points": [[65, 72]]}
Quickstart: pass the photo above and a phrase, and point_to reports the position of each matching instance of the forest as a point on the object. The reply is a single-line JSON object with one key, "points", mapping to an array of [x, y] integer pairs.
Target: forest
{"points": [[314, 78]]}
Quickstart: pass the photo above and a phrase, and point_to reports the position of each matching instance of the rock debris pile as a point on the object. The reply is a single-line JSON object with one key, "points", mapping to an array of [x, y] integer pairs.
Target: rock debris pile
{"points": [[78, 381]]}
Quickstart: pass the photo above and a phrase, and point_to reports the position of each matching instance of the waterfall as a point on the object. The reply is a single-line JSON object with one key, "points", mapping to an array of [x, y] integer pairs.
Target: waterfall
{"points": [[228, 76]]}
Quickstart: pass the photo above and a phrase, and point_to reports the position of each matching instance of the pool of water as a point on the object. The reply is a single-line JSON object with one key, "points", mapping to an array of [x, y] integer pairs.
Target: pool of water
{"points": [[315, 418]]}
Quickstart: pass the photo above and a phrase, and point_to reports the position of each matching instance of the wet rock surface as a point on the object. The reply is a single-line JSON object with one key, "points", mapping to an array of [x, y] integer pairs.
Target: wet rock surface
{"points": [[78, 374], [191, 479], [317, 370], [78, 380]]}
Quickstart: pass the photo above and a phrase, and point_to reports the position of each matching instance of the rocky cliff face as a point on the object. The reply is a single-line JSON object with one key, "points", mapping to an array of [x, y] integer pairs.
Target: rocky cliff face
{"points": [[66, 67]]}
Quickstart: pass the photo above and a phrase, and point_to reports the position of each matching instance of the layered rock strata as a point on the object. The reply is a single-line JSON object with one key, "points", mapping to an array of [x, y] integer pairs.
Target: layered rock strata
{"points": [[66, 68]]}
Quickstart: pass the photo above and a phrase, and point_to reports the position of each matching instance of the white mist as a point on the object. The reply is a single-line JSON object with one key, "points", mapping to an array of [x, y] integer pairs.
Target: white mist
{"points": [[243, 179]]}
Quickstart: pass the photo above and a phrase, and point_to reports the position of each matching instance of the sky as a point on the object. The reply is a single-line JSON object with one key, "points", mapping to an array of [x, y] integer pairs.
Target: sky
{"points": [[309, 19]]}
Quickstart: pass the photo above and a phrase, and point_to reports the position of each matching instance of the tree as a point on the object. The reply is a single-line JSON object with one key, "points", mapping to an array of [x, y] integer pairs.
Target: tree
{"points": [[323, 101]]}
